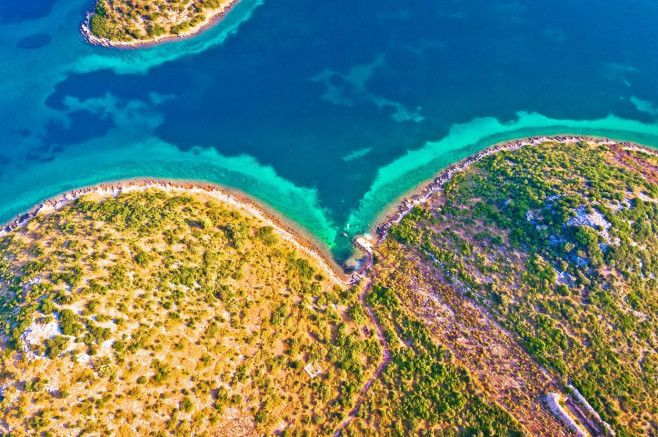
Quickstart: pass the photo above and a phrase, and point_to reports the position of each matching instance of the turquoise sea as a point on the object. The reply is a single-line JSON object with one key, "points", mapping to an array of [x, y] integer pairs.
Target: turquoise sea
{"points": [[326, 111]]}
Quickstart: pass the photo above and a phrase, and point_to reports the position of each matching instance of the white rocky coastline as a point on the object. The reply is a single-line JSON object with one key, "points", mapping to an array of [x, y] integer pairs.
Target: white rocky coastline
{"points": [[243, 203], [405, 205], [422, 195]]}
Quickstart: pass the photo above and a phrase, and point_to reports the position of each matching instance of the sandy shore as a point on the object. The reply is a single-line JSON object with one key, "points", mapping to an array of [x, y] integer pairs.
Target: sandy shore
{"points": [[397, 209], [212, 17], [287, 230]]}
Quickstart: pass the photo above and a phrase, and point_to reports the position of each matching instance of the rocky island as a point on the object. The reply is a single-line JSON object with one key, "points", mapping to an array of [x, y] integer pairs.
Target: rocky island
{"points": [[124, 23], [515, 295]]}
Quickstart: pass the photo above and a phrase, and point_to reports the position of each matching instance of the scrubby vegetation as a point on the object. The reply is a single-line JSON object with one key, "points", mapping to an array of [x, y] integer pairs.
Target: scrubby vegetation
{"points": [[172, 314], [559, 242], [422, 314], [127, 20], [161, 314], [422, 391], [158, 314]]}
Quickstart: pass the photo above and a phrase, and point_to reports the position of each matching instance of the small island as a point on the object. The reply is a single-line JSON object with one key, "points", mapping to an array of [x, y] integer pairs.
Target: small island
{"points": [[125, 23]]}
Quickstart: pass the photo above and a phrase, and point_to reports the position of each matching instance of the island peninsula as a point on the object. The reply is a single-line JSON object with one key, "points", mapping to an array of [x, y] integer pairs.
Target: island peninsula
{"points": [[514, 294], [126, 23]]}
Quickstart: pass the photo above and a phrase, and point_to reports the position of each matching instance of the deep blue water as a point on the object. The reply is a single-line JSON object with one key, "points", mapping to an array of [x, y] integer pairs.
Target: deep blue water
{"points": [[326, 111], [12, 11]]}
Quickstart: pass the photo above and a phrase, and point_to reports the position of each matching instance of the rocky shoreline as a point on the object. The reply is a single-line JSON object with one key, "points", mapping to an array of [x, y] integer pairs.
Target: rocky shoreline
{"points": [[213, 17], [290, 231], [421, 195], [286, 230]]}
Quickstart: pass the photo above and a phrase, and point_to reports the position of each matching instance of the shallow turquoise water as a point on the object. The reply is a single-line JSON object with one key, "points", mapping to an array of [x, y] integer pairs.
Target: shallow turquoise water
{"points": [[325, 112]]}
